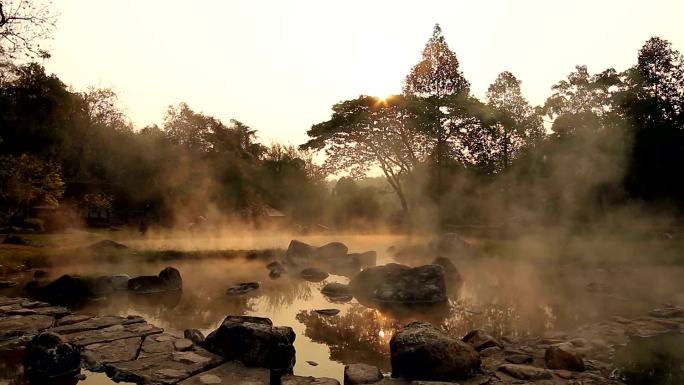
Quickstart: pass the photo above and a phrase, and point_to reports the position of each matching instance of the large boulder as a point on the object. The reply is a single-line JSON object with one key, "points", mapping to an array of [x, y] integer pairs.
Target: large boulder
{"points": [[48, 357], [364, 260], [452, 276], [420, 351], [299, 253], [107, 284], [563, 356], [254, 341], [357, 374], [395, 283], [168, 279], [332, 250], [68, 290]]}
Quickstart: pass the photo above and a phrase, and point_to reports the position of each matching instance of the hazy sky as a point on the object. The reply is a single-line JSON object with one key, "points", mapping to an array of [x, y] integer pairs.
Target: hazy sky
{"points": [[279, 66]]}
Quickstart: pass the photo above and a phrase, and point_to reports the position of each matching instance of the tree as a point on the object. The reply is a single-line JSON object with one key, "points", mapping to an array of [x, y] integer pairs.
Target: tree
{"points": [[368, 132], [25, 179], [23, 25], [516, 124], [438, 81]]}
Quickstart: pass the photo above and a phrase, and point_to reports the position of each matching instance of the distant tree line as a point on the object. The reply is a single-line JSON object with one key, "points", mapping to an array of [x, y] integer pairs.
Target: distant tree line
{"points": [[601, 142]]}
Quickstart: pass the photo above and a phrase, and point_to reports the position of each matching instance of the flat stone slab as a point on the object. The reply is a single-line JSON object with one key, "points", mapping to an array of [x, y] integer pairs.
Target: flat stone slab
{"points": [[4, 301], [299, 380], [231, 373], [73, 319], [164, 343], [112, 333], [96, 355], [25, 323], [167, 368], [94, 323]]}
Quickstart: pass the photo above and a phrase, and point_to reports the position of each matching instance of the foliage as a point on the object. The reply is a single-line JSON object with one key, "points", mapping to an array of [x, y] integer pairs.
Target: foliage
{"points": [[24, 24]]}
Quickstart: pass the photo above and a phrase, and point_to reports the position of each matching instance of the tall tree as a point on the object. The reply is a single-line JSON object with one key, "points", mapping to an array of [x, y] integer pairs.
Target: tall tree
{"points": [[24, 24], [438, 81]]}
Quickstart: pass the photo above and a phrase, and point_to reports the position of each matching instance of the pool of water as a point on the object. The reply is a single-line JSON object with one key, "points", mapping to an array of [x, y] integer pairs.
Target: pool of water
{"points": [[504, 297]]}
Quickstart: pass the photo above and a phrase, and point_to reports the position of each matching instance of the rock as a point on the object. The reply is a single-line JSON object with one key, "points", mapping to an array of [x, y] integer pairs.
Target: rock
{"points": [[49, 357], [364, 260], [361, 374], [92, 323], [253, 341], [95, 355], [107, 284], [520, 359], [112, 333], [299, 380], [668, 312], [335, 289], [73, 319], [68, 290], [394, 283], [313, 274], [452, 276], [164, 343], [526, 372], [168, 279], [168, 368], [480, 340], [276, 269], [312, 363], [242, 288], [6, 284], [195, 336], [327, 312], [231, 373], [419, 351], [107, 245], [299, 253], [564, 356], [332, 250]]}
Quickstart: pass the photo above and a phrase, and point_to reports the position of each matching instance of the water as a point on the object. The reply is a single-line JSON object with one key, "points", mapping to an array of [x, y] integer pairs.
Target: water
{"points": [[503, 297]]}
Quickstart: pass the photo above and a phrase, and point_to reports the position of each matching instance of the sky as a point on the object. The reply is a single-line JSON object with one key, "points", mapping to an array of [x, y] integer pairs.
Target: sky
{"points": [[279, 66]]}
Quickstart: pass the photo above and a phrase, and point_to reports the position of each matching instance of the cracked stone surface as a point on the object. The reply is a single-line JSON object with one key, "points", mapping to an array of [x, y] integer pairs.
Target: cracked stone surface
{"points": [[96, 355], [299, 380], [231, 373], [112, 333], [96, 323]]}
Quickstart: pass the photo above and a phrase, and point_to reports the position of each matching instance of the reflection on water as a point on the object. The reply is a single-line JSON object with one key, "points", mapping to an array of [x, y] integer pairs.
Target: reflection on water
{"points": [[499, 296]]}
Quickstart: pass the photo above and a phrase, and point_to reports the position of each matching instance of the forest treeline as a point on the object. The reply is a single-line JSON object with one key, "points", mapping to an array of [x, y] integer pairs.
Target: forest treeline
{"points": [[601, 143]]}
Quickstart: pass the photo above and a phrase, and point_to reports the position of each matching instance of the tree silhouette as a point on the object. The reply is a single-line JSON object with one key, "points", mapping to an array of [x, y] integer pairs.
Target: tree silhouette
{"points": [[23, 25]]}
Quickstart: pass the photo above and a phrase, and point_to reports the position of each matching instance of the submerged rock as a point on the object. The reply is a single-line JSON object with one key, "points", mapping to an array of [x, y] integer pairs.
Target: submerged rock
{"points": [[327, 312], [335, 289], [395, 283], [110, 283], [419, 351], [564, 356], [49, 357], [106, 245], [253, 341], [313, 274], [168, 279], [242, 288]]}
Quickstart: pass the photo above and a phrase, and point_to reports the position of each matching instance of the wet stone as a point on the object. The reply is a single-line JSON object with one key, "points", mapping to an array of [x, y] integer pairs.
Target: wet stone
{"points": [[112, 333], [25, 323], [230, 373], [327, 312], [520, 359], [242, 288], [96, 323], [355, 374], [73, 319], [564, 356], [480, 340], [95, 355], [526, 372], [194, 335], [158, 343], [168, 368], [299, 380]]}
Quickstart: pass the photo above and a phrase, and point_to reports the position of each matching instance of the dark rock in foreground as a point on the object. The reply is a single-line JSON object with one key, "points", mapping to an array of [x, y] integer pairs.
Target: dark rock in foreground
{"points": [[400, 284], [254, 341], [419, 351], [168, 279], [168, 368], [526, 372], [480, 340], [49, 357], [195, 336]]}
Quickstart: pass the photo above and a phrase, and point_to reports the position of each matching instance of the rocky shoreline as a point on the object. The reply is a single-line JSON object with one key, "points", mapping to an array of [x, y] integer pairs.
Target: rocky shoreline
{"points": [[250, 350]]}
